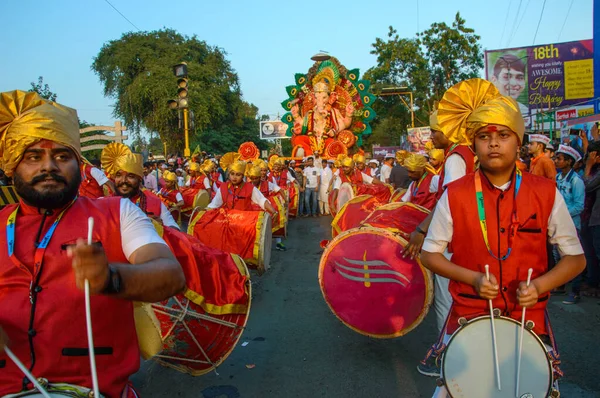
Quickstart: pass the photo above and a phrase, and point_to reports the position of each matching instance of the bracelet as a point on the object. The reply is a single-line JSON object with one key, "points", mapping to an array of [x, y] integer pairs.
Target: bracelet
{"points": [[419, 230]]}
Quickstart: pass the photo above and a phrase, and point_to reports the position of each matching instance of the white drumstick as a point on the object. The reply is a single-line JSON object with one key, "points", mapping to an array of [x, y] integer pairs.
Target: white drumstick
{"points": [[26, 372], [521, 337], [88, 319], [494, 341]]}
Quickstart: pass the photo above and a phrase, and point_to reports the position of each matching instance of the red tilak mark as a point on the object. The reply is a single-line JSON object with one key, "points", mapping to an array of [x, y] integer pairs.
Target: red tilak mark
{"points": [[47, 144], [492, 129]]}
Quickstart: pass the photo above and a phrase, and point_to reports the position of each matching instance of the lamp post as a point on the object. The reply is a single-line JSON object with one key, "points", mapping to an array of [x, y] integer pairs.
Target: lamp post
{"points": [[400, 91], [182, 102]]}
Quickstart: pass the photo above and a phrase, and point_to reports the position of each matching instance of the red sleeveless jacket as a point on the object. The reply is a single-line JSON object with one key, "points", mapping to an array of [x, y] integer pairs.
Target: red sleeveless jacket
{"points": [[58, 333], [355, 178], [464, 152], [534, 204], [237, 198], [420, 194], [89, 186], [280, 179]]}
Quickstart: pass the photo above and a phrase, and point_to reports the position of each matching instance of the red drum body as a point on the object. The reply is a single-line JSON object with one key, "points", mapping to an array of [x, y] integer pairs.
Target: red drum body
{"points": [[195, 331], [293, 197], [401, 218], [280, 221], [245, 233], [370, 287], [332, 200], [353, 213], [382, 192], [397, 195]]}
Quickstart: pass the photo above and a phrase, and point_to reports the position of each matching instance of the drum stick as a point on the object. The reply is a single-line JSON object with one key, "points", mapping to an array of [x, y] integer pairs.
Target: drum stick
{"points": [[88, 320], [521, 337], [494, 342], [26, 372]]}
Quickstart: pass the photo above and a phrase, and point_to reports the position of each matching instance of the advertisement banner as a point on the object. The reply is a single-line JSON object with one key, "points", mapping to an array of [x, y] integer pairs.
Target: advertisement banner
{"points": [[381, 152], [543, 77], [417, 137], [272, 129]]}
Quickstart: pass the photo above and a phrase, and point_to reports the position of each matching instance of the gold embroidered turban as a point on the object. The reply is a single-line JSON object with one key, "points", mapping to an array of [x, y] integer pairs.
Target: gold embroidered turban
{"points": [[415, 162], [238, 166]]}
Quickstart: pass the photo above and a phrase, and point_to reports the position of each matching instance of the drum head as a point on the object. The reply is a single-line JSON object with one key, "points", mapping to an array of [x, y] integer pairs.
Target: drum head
{"points": [[402, 217], [202, 199], [345, 193], [264, 251], [468, 364], [370, 287]]}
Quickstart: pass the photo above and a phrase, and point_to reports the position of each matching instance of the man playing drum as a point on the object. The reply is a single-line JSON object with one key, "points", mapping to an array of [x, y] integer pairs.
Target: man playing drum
{"points": [[127, 172], [45, 264], [352, 175], [197, 180], [170, 193], [513, 213], [280, 175], [419, 190]]}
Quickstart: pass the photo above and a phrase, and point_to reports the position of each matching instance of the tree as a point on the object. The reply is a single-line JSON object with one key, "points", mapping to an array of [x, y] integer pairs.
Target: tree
{"points": [[136, 71], [43, 89], [427, 65]]}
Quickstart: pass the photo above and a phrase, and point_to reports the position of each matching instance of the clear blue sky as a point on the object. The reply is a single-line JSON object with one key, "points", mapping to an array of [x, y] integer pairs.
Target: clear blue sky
{"points": [[266, 41]]}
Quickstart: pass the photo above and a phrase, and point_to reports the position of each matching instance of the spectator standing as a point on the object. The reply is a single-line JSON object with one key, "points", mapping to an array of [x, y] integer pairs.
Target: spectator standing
{"points": [[399, 177], [386, 169], [590, 228], [541, 165], [150, 180], [326, 176], [300, 178], [311, 185]]}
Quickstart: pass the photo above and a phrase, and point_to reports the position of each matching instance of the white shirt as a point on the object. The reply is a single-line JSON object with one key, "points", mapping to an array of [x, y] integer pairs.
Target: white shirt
{"points": [[366, 179], [312, 176], [386, 171], [99, 176], [136, 228], [273, 187], [167, 218], [257, 198], [454, 168], [180, 181], [432, 188], [150, 182], [561, 229]]}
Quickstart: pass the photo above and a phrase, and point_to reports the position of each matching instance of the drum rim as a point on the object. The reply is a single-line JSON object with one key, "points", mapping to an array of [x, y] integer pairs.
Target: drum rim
{"points": [[201, 193], [487, 319], [226, 355], [427, 276], [335, 229], [265, 239]]}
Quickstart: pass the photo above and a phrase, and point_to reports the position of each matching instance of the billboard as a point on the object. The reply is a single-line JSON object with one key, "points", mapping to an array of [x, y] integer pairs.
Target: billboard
{"points": [[272, 129], [543, 77], [381, 152], [418, 137]]}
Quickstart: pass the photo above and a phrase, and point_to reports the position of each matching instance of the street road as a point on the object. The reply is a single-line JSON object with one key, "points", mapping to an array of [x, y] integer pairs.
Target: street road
{"points": [[300, 349]]}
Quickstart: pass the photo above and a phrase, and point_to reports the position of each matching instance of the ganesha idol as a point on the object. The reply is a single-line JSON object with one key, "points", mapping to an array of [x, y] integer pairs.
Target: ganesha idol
{"points": [[329, 110]]}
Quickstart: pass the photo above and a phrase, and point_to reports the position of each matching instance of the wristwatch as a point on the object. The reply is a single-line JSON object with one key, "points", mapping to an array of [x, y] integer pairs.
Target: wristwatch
{"points": [[419, 230], [115, 282]]}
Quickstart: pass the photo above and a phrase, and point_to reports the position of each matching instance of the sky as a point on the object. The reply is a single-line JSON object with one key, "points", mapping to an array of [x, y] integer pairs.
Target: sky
{"points": [[267, 42]]}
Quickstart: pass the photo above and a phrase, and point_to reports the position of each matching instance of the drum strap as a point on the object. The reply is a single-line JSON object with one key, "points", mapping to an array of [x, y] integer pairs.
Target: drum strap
{"points": [[554, 356], [439, 346]]}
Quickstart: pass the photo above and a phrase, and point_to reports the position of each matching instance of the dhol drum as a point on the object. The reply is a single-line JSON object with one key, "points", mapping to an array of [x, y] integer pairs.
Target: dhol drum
{"points": [[280, 221], [383, 192], [370, 287], [353, 213], [402, 218], [468, 364], [194, 199], [293, 190], [397, 195], [245, 233], [332, 201], [195, 332]]}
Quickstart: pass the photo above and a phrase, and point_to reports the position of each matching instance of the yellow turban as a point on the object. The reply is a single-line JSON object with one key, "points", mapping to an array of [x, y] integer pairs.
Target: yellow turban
{"points": [[458, 104], [434, 124], [261, 164], [26, 118], [110, 154], [415, 162], [254, 171], [503, 111], [169, 176], [194, 166], [358, 158], [238, 166], [437, 154], [208, 166], [347, 161], [401, 155], [131, 163]]}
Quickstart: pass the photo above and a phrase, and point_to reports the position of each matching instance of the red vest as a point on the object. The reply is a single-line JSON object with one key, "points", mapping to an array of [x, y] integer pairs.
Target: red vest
{"points": [[464, 152], [355, 178], [280, 179], [264, 188], [215, 175], [148, 202], [421, 195], [89, 186], [237, 198], [534, 205], [58, 333], [170, 195]]}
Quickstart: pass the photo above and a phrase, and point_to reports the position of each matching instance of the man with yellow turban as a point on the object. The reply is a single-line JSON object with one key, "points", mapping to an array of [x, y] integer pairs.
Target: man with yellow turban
{"points": [[419, 190], [210, 169], [127, 171], [93, 180], [170, 194], [237, 194], [198, 179], [486, 217], [279, 174], [351, 175], [40, 149]]}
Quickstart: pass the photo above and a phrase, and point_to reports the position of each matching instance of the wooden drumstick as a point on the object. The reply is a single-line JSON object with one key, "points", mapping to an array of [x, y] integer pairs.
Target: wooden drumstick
{"points": [[521, 337], [88, 320], [494, 342], [26, 372]]}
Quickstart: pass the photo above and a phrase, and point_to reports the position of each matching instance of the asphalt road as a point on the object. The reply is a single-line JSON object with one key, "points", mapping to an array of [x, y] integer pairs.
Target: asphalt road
{"points": [[297, 347]]}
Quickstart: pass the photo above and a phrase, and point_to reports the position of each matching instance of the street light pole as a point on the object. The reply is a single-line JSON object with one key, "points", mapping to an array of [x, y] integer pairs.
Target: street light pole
{"points": [[186, 151], [400, 91]]}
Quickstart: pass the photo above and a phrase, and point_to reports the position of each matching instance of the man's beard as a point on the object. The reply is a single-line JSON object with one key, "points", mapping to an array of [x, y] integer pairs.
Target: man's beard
{"points": [[49, 199], [134, 191]]}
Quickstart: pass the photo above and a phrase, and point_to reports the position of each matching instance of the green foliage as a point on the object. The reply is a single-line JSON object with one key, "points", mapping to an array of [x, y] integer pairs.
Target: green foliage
{"points": [[427, 65], [43, 89], [136, 71]]}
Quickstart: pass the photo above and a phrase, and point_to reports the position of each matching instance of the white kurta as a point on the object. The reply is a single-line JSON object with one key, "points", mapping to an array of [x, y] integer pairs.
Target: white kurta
{"points": [[326, 176]]}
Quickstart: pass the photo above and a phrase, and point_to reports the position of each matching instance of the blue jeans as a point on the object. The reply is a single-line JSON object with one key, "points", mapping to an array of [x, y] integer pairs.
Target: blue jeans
{"points": [[310, 195], [300, 203]]}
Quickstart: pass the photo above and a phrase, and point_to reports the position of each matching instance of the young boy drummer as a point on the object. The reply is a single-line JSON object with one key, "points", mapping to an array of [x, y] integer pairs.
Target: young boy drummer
{"points": [[500, 217]]}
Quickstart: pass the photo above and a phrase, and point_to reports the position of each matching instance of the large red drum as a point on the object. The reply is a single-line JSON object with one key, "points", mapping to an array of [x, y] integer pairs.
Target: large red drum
{"points": [[196, 331], [370, 287], [353, 213], [293, 198], [383, 192], [332, 200], [245, 233], [194, 198], [280, 221], [402, 218]]}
